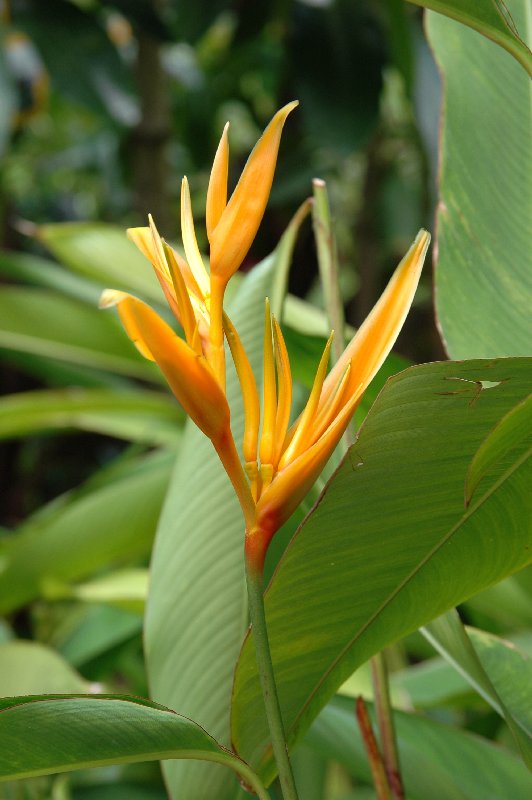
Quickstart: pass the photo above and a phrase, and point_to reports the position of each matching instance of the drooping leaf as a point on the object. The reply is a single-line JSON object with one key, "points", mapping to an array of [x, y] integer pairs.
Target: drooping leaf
{"points": [[437, 761], [44, 323], [135, 415], [112, 523], [484, 258], [197, 610], [37, 271], [493, 18], [104, 254], [500, 674], [389, 545], [43, 734]]}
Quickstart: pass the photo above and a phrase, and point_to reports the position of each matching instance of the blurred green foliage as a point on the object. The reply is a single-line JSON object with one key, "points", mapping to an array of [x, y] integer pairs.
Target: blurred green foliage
{"points": [[104, 106]]}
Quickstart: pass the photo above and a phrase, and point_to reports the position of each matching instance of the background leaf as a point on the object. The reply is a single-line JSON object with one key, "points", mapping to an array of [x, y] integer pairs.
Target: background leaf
{"points": [[437, 761], [135, 415], [73, 538], [104, 254], [44, 323], [505, 681], [32, 668], [351, 582], [484, 258]]}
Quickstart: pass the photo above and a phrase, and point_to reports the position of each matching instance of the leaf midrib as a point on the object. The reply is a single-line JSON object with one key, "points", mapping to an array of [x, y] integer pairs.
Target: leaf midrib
{"points": [[384, 605]]}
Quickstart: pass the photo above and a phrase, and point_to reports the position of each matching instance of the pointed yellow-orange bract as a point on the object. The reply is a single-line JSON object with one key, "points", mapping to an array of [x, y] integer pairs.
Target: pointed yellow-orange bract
{"points": [[188, 374], [360, 361], [217, 191], [236, 228]]}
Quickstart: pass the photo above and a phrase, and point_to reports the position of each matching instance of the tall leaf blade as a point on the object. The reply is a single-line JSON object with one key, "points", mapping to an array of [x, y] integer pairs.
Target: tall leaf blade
{"points": [[197, 609], [484, 257], [389, 545]]}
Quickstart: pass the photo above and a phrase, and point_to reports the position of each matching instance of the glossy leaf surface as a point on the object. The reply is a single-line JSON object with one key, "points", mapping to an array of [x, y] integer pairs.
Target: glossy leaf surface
{"points": [[389, 545], [44, 734]]}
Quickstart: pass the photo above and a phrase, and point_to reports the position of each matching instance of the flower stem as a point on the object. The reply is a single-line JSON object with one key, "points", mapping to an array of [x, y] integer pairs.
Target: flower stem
{"points": [[383, 706], [380, 779], [267, 681]]}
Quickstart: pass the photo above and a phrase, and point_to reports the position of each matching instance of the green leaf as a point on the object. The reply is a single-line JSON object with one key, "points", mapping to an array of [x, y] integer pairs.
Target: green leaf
{"points": [[134, 415], [484, 258], [197, 610], [43, 323], [389, 545], [32, 668], [32, 269], [514, 429], [114, 522], [100, 629], [504, 681], [493, 18], [104, 254], [40, 735], [125, 588], [437, 762]]}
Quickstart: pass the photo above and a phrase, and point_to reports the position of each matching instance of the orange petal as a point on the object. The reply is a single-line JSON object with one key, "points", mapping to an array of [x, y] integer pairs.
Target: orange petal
{"points": [[281, 498], [112, 297], [267, 438], [239, 222], [190, 244], [376, 336], [188, 374], [284, 383], [248, 387], [303, 424], [217, 191]]}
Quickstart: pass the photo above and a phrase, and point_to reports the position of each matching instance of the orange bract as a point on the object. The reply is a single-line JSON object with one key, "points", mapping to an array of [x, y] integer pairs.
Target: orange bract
{"points": [[281, 463]]}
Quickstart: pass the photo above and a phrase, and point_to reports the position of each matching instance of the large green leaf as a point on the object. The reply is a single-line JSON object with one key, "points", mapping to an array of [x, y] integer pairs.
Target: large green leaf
{"points": [[104, 254], [44, 734], [197, 609], [44, 323], [114, 522], [134, 415], [491, 18], [437, 762], [496, 671], [484, 258], [390, 546]]}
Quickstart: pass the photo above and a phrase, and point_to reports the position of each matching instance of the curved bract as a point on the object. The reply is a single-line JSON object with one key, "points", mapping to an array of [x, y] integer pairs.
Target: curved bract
{"points": [[281, 463]]}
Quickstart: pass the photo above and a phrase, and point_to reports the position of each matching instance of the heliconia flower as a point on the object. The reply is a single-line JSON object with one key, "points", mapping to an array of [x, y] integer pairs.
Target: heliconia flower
{"points": [[231, 228], [283, 464]]}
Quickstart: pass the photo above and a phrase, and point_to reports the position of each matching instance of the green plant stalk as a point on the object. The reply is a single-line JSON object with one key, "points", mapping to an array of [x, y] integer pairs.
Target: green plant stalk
{"points": [[328, 266], [383, 707], [267, 680]]}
